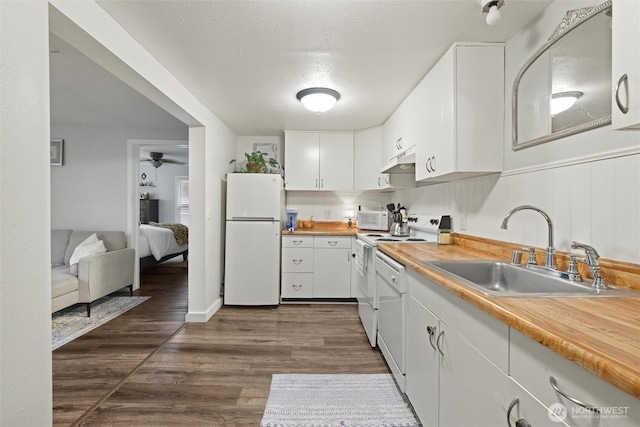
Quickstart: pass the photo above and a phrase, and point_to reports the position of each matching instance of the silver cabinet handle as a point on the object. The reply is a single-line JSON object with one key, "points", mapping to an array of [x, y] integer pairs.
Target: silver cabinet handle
{"points": [[296, 287], [432, 163], [332, 242], [394, 279], [440, 335], [297, 242], [514, 402], [431, 330], [322, 183], [378, 181], [572, 399], [521, 422], [317, 183], [297, 261], [623, 79], [386, 179], [426, 164]]}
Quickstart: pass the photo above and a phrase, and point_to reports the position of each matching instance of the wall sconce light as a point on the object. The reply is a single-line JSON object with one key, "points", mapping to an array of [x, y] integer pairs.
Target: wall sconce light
{"points": [[491, 8], [350, 218], [318, 99], [562, 101]]}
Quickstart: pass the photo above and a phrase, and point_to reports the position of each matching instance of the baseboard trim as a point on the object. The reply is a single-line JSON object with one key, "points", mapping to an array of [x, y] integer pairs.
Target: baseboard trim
{"points": [[204, 316]]}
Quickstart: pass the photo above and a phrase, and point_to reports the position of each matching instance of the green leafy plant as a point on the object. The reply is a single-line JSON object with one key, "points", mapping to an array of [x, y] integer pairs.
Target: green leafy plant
{"points": [[256, 163]]}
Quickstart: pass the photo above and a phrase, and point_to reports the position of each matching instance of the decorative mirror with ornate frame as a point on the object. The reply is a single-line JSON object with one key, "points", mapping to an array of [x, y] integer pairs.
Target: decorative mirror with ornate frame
{"points": [[565, 87]]}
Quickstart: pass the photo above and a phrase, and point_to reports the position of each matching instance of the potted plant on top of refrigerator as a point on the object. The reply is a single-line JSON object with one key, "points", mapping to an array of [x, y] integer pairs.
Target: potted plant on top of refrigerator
{"points": [[256, 163]]}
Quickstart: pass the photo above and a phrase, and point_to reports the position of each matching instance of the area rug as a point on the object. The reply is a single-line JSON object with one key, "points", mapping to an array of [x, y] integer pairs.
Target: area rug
{"points": [[69, 324], [337, 400]]}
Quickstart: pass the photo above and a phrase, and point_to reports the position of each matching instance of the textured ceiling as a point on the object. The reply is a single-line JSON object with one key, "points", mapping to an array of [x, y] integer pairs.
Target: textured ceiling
{"points": [[246, 60]]}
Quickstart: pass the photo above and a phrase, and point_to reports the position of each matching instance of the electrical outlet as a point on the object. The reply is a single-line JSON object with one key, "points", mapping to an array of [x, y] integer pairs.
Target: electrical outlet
{"points": [[463, 222], [327, 213]]}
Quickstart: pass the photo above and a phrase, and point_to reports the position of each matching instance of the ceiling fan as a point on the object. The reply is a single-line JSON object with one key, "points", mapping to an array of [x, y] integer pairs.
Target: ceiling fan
{"points": [[157, 159]]}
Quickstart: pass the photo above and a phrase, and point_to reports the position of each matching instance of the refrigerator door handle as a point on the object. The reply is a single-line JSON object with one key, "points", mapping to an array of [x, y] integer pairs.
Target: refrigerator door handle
{"points": [[253, 218]]}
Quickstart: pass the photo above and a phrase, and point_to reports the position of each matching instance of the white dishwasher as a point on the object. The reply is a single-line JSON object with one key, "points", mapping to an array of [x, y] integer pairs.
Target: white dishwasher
{"points": [[391, 288]]}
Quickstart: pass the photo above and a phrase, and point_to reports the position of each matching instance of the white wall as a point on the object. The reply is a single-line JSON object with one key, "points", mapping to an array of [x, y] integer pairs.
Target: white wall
{"points": [[595, 201], [320, 203], [89, 192], [25, 251]]}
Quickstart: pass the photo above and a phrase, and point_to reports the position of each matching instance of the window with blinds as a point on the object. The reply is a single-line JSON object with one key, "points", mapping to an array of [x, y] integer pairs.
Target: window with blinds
{"points": [[182, 200]]}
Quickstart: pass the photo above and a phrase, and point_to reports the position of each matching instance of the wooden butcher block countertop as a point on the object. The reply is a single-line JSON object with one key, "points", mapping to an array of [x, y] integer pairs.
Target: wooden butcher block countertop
{"points": [[324, 229], [601, 334]]}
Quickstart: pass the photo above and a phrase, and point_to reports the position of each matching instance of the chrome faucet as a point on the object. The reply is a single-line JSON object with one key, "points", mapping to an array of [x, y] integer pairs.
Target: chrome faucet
{"points": [[550, 263], [591, 259]]}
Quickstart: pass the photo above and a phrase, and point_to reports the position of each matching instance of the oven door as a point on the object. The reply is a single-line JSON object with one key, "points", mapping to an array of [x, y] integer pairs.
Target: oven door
{"points": [[366, 289]]}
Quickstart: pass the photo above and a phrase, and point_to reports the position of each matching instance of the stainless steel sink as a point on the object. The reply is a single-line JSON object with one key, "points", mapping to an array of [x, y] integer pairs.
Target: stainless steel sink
{"points": [[501, 279]]}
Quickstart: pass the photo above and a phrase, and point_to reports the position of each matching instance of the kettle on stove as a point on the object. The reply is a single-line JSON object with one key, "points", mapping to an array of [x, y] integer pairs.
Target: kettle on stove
{"points": [[400, 226]]}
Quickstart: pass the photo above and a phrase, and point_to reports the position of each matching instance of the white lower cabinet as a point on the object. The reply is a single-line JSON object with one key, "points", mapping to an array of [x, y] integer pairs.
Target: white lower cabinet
{"points": [[473, 392], [297, 285], [458, 375], [423, 362], [533, 365], [316, 267]]}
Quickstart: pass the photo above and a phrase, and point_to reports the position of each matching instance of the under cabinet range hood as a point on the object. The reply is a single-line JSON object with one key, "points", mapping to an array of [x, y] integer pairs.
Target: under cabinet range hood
{"points": [[404, 162]]}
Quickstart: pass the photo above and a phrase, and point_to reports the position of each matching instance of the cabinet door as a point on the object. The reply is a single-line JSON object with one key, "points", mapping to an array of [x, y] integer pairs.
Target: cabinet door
{"points": [[301, 156], [394, 133], [473, 392], [422, 362], [336, 161], [441, 120], [626, 60], [479, 110], [368, 149], [331, 273]]}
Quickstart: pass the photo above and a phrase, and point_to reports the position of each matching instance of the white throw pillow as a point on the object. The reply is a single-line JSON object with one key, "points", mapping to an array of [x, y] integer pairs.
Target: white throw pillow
{"points": [[90, 246]]}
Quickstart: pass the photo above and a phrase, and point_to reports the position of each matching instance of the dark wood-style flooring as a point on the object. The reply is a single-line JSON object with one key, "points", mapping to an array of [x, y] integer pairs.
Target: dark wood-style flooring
{"points": [[148, 368]]}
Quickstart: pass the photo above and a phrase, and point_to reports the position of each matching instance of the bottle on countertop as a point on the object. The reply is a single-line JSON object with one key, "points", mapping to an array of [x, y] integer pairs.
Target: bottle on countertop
{"points": [[444, 230]]}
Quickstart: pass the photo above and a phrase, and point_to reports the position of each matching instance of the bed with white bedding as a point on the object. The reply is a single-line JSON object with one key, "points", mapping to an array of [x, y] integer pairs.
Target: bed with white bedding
{"points": [[158, 244]]}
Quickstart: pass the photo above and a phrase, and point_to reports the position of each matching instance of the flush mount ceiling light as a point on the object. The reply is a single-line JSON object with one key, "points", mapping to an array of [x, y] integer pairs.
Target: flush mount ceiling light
{"points": [[318, 99], [491, 8], [562, 101]]}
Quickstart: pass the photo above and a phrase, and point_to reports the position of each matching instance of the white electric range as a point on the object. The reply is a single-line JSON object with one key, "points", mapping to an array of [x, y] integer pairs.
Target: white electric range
{"points": [[422, 228]]}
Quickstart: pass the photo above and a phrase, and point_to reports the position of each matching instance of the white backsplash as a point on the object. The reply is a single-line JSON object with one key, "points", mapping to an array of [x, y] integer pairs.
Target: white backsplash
{"points": [[597, 203], [317, 203]]}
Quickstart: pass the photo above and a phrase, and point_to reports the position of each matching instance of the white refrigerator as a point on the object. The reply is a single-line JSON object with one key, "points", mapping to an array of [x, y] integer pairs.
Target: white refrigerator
{"points": [[255, 219]]}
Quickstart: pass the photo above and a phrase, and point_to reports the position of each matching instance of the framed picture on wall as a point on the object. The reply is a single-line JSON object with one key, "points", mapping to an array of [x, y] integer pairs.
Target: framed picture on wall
{"points": [[56, 148], [271, 150]]}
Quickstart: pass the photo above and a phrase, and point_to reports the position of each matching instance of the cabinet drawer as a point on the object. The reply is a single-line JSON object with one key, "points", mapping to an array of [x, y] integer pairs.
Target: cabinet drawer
{"points": [[328, 242], [532, 364], [297, 260], [297, 285], [297, 241]]}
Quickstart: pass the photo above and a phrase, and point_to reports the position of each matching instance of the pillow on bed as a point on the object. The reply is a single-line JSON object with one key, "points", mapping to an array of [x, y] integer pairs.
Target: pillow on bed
{"points": [[90, 246]]}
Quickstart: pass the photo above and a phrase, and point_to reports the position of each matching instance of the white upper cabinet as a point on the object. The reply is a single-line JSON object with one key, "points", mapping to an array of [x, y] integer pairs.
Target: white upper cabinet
{"points": [[461, 108], [318, 161], [336, 161], [394, 134], [367, 164], [626, 64]]}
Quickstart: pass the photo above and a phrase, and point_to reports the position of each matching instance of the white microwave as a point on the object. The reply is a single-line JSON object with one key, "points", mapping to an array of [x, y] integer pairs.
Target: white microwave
{"points": [[374, 220]]}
